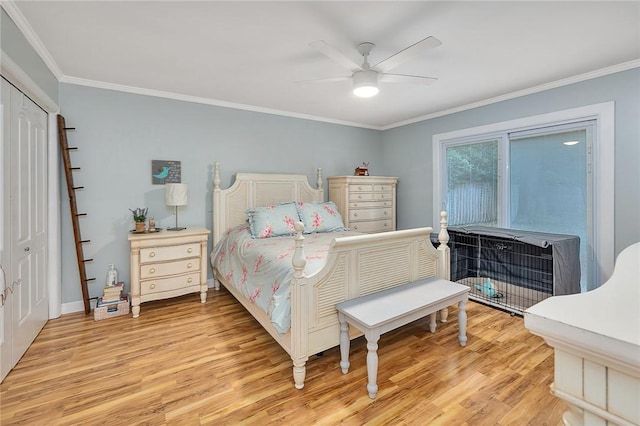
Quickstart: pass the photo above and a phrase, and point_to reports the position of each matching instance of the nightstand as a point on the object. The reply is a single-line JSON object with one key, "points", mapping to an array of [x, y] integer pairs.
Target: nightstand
{"points": [[168, 264]]}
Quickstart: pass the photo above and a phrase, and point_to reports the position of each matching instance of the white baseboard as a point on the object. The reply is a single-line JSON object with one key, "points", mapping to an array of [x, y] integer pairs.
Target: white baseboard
{"points": [[71, 307], [78, 306]]}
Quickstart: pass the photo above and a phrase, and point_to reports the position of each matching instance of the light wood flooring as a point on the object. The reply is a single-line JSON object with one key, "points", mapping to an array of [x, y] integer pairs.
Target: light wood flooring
{"points": [[186, 363]]}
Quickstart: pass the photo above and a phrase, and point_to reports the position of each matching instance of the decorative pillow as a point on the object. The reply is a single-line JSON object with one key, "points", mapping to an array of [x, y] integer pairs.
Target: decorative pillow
{"points": [[273, 221], [320, 217]]}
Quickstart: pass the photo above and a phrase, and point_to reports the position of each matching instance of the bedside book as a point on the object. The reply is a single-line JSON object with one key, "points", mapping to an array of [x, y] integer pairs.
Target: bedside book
{"points": [[102, 302]]}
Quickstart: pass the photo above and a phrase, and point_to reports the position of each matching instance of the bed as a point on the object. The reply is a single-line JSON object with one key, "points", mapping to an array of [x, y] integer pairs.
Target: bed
{"points": [[355, 265]]}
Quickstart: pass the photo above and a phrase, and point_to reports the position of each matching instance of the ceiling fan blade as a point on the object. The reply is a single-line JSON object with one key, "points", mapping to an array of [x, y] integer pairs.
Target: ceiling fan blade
{"points": [[325, 80], [403, 78], [408, 53], [334, 54]]}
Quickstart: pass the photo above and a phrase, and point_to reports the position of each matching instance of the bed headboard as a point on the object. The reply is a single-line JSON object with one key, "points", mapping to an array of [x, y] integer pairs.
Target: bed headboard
{"points": [[256, 190]]}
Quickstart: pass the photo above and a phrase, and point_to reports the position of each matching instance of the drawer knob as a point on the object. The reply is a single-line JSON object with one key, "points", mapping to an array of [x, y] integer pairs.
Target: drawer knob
{"points": [[355, 214], [360, 197], [385, 224], [152, 270], [189, 250], [355, 226], [189, 265], [385, 212], [152, 254], [190, 280], [360, 188], [152, 286]]}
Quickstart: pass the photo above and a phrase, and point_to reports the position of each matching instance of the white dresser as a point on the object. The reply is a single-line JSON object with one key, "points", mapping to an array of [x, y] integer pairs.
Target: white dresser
{"points": [[596, 341], [168, 264], [366, 203]]}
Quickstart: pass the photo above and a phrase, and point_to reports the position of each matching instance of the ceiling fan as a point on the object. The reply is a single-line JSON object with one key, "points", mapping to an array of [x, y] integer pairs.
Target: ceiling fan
{"points": [[366, 77]]}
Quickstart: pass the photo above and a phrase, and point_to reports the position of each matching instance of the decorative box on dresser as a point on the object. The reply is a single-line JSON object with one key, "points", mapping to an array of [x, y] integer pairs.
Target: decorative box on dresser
{"points": [[366, 203], [168, 264]]}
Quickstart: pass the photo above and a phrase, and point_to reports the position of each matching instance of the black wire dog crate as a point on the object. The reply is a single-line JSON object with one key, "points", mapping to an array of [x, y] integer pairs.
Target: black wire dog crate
{"points": [[512, 269]]}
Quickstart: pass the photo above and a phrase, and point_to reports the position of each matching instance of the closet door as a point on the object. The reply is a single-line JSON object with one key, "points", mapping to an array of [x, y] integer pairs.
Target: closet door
{"points": [[27, 222], [6, 335]]}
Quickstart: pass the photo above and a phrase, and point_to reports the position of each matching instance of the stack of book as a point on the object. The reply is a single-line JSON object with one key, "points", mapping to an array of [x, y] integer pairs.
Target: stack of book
{"points": [[112, 295]]}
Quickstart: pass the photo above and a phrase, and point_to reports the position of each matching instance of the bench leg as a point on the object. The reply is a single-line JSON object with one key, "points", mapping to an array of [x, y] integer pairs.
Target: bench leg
{"points": [[462, 321], [433, 324], [344, 344], [444, 314], [372, 361]]}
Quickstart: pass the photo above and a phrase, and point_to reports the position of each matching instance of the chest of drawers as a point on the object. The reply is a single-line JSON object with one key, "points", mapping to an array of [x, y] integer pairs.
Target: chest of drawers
{"points": [[168, 264], [366, 203]]}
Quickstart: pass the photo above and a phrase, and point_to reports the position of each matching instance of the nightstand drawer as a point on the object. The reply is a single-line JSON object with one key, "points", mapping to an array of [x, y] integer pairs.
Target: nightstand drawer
{"points": [[160, 254], [167, 284], [369, 214], [373, 226], [151, 270]]}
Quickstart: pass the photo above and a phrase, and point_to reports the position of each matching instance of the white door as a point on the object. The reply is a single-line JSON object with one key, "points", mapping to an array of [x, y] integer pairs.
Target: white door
{"points": [[27, 223], [6, 336]]}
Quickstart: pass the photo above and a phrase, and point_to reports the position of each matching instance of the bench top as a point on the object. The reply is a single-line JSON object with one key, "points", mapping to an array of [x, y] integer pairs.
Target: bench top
{"points": [[387, 305]]}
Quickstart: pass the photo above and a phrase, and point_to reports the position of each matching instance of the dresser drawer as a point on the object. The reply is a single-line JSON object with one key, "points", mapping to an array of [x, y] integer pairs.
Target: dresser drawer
{"points": [[372, 226], [371, 204], [160, 254], [370, 196], [360, 188], [170, 283], [151, 270], [383, 188], [369, 214]]}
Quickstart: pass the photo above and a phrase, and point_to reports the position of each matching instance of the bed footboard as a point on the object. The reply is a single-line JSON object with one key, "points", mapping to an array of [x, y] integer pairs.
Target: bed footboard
{"points": [[356, 266]]}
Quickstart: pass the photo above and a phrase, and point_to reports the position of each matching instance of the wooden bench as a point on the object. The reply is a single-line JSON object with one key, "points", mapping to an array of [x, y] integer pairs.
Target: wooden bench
{"points": [[387, 310]]}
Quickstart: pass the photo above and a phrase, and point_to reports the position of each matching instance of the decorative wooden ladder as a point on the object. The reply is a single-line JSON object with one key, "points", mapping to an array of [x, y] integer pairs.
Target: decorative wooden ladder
{"points": [[71, 188]]}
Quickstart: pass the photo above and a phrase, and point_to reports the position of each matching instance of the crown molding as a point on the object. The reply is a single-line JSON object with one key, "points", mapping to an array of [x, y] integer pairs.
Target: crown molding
{"points": [[554, 84], [16, 76], [207, 101], [23, 25]]}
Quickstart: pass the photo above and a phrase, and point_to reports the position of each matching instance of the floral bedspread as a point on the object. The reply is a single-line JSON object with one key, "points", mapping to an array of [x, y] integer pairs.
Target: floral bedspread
{"points": [[261, 268]]}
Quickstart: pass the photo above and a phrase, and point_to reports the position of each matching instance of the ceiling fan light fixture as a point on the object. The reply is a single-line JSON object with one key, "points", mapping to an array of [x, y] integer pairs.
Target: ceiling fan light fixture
{"points": [[365, 83]]}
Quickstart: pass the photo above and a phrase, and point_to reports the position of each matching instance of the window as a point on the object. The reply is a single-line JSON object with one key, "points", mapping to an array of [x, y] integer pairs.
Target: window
{"points": [[543, 173]]}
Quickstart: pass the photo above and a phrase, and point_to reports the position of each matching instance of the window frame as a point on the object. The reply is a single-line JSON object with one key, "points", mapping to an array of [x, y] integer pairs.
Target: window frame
{"points": [[602, 168]]}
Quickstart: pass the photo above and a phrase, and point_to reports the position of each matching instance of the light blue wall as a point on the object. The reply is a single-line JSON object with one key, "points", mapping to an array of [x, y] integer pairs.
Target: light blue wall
{"points": [[407, 150], [118, 134], [20, 51]]}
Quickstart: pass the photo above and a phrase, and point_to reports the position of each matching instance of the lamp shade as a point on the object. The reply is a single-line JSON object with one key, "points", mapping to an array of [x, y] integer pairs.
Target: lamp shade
{"points": [[175, 194]]}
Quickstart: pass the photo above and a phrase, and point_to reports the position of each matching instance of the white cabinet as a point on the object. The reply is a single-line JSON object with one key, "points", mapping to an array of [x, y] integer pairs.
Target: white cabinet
{"points": [[168, 264], [366, 203], [596, 341]]}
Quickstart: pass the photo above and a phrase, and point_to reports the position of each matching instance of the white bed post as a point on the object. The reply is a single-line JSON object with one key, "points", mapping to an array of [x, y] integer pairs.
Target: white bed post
{"points": [[299, 314], [216, 219], [319, 183], [444, 261]]}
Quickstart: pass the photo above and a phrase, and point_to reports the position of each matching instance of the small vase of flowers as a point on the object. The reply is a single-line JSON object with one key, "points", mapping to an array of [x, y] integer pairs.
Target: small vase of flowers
{"points": [[139, 217]]}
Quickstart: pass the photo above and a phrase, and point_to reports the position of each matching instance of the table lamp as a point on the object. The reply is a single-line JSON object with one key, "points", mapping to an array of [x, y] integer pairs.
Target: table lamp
{"points": [[175, 194]]}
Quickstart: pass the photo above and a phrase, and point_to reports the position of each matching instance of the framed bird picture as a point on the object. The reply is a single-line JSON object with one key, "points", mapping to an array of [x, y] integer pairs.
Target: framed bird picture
{"points": [[163, 171]]}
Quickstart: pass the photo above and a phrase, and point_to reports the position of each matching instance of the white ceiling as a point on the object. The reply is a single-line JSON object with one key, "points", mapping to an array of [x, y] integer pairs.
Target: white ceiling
{"points": [[252, 54]]}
